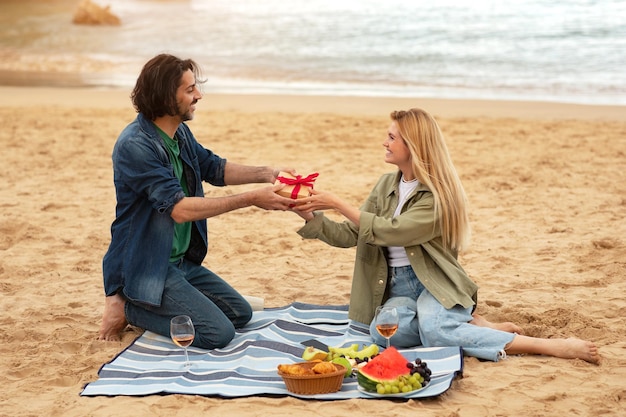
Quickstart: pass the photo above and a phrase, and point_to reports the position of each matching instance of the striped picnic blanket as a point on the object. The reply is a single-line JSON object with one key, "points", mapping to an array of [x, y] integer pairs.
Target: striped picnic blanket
{"points": [[152, 364]]}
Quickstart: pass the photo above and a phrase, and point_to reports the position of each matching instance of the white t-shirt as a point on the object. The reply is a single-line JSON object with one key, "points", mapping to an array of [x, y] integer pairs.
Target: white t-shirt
{"points": [[397, 254]]}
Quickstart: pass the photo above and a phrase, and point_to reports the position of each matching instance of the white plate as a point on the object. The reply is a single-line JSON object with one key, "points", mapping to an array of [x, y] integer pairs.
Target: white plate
{"points": [[398, 395]]}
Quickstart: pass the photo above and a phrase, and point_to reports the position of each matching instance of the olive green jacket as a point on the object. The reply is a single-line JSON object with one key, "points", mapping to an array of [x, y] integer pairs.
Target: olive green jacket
{"points": [[415, 229]]}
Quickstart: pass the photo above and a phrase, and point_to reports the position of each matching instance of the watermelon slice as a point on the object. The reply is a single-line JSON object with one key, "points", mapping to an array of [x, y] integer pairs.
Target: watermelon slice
{"points": [[385, 368]]}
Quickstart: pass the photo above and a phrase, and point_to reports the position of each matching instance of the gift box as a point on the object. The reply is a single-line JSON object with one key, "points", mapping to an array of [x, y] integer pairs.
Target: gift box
{"points": [[296, 186]]}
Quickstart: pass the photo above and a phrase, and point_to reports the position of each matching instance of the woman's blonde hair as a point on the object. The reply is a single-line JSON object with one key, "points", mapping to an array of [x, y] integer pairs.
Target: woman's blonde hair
{"points": [[433, 167]]}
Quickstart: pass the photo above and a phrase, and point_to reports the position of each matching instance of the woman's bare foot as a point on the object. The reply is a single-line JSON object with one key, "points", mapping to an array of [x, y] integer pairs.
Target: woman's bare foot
{"points": [[506, 326], [574, 348], [113, 319], [570, 348]]}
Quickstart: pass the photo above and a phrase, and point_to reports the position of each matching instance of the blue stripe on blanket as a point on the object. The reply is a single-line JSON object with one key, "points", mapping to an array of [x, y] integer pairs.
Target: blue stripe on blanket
{"points": [[152, 364]]}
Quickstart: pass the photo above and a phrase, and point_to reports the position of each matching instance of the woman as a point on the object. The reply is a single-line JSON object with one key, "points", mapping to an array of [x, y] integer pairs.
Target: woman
{"points": [[408, 234]]}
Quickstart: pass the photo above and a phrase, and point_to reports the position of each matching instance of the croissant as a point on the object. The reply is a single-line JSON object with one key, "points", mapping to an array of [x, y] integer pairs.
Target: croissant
{"points": [[324, 368], [295, 370]]}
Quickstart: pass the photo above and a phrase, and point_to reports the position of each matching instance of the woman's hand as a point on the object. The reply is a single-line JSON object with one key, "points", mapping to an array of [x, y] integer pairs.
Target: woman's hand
{"points": [[318, 200], [304, 207], [323, 200], [306, 216]]}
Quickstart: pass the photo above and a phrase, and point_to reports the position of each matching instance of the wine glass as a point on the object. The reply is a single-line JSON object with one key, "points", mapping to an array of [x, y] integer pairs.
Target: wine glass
{"points": [[183, 333], [386, 320]]}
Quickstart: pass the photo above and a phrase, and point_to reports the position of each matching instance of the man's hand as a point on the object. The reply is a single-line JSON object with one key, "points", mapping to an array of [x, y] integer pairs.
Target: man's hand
{"points": [[196, 208], [277, 171], [267, 199]]}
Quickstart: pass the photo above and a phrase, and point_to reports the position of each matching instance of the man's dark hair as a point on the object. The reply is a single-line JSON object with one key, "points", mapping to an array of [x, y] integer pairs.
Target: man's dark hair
{"points": [[154, 94]]}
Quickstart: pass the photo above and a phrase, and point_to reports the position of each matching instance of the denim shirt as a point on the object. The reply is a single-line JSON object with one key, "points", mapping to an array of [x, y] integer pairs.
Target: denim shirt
{"points": [[147, 190], [415, 229]]}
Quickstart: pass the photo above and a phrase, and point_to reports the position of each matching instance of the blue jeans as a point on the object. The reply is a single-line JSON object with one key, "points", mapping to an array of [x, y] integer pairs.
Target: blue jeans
{"points": [[216, 309], [424, 321]]}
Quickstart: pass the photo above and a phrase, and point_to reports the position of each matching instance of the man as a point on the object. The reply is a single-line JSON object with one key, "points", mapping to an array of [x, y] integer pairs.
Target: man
{"points": [[152, 269]]}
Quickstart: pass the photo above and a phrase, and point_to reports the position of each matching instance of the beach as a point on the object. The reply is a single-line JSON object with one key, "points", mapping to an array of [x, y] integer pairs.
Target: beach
{"points": [[545, 183]]}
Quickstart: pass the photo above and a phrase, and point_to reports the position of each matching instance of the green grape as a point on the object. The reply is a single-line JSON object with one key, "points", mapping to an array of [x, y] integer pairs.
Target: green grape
{"points": [[380, 388], [395, 389], [388, 388], [406, 388]]}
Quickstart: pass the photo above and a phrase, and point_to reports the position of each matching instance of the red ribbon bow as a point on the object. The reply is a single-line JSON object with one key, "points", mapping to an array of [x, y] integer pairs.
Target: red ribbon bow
{"points": [[298, 182]]}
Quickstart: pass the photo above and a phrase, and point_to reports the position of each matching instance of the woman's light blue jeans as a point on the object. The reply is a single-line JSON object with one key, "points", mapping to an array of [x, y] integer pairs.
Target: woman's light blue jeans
{"points": [[424, 321], [216, 309]]}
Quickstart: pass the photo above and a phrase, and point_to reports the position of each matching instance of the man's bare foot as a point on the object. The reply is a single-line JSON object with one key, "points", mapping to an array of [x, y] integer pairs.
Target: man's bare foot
{"points": [[113, 319], [506, 326]]}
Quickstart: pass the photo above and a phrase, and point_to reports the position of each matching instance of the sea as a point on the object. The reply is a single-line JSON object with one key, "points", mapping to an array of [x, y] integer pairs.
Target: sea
{"points": [[571, 51]]}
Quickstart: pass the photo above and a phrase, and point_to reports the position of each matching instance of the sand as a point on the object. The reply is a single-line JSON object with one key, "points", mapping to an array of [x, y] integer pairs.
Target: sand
{"points": [[546, 189]]}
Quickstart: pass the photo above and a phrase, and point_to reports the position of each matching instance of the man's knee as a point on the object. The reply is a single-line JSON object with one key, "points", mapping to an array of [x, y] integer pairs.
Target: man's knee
{"points": [[243, 318], [214, 340]]}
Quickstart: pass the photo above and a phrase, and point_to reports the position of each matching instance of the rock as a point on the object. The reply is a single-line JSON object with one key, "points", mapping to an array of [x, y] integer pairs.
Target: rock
{"points": [[89, 13]]}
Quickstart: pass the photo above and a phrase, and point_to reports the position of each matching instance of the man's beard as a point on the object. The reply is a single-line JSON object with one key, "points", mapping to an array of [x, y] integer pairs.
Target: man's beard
{"points": [[186, 115]]}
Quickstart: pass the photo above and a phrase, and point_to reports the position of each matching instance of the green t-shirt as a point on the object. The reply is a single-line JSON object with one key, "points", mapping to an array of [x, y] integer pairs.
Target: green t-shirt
{"points": [[182, 231]]}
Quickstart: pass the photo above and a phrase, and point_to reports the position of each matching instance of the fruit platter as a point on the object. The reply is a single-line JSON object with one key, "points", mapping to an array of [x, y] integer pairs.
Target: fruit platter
{"points": [[385, 373], [390, 373]]}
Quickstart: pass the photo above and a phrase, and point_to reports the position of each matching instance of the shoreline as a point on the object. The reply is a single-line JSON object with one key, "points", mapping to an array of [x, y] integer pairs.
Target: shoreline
{"points": [[98, 97]]}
